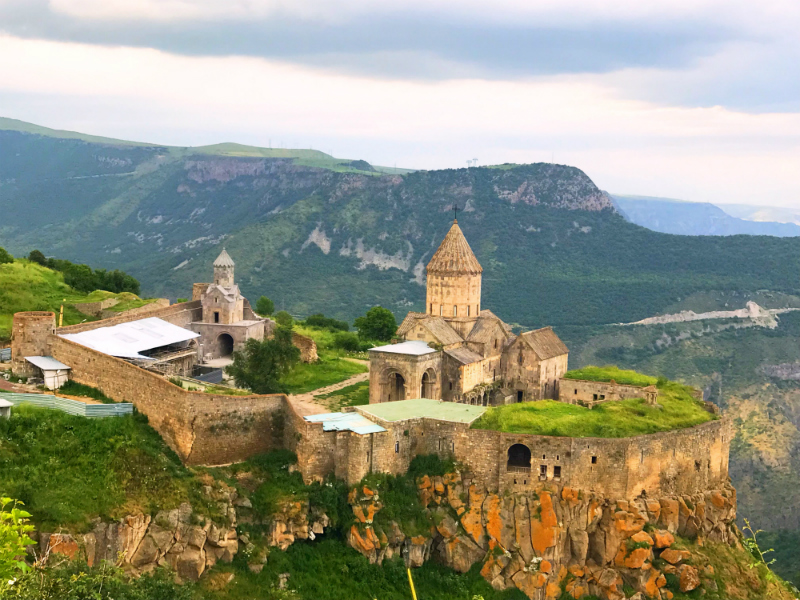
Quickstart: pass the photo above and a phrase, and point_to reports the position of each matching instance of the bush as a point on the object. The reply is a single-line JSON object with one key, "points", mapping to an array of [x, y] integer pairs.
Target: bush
{"points": [[14, 530], [346, 340], [5, 257], [37, 257], [262, 364], [378, 324], [284, 319], [73, 388], [265, 307], [322, 322]]}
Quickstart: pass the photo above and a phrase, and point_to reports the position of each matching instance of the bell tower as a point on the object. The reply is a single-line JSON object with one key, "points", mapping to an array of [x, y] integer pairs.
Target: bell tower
{"points": [[223, 270], [454, 278]]}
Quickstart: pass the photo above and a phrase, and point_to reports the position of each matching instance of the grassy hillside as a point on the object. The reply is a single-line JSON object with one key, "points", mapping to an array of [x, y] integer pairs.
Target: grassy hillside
{"points": [[25, 285], [318, 233]]}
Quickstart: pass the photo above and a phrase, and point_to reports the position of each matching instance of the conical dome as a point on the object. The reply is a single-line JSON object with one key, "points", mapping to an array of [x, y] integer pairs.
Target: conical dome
{"points": [[454, 254], [224, 260]]}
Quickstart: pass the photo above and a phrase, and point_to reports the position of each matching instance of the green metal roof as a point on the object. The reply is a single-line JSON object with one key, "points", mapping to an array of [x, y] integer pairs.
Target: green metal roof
{"points": [[423, 407]]}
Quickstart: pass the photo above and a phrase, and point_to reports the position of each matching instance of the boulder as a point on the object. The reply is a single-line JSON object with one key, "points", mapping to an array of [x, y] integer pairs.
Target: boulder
{"points": [[688, 577]]}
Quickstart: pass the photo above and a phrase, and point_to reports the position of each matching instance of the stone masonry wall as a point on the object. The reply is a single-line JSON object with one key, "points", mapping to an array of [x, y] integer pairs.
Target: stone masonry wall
{"points": [[576, 391], [140, 312], [177, 314], [93, 309], [30, 336], [201, 428]]}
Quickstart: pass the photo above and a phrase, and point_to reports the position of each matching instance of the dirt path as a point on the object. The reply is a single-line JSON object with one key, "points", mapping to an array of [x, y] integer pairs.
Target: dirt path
{"points": [[305, 403]]}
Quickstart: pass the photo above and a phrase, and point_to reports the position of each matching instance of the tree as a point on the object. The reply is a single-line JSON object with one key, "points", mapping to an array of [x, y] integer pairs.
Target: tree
{"points": [[378, 324], [14, 530], [5, 257], [262, 364], [284, 319], [346, 340], [265, 307], [38, 257]]}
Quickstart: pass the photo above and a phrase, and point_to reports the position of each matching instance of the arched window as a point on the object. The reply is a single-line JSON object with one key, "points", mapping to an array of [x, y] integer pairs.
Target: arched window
{"points": [[455, 310], [520, 356], [519, 458]]}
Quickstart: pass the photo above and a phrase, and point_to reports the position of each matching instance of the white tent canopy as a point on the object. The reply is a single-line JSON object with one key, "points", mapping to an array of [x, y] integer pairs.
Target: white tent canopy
{"points": [[127, 340]]}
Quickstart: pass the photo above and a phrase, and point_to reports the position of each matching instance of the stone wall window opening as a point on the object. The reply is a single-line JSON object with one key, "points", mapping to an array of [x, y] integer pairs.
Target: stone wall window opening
{"points": [[431, 312], [451, 386], [544, 457], [576, 392], [594, 397], [396, 447], [697, 465], [543, 471], [468, 308], [594, 460], [455, 310], [556, 472], [602, 396], [495, 347], [453, 446], [494, 374], [641, 458], [558, 457], [441, 310], [519, 459], [216, 316], [520, 358]]}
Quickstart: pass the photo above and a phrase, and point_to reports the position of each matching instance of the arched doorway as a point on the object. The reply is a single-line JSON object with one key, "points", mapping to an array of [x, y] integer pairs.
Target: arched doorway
{"points": [[397, 387], [427, 385], [225, 345], [519, 458]]}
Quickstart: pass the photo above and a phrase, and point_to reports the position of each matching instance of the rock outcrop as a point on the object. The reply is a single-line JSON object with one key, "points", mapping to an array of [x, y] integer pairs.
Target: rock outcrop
{"points": [[184, 541], [551, 540]]}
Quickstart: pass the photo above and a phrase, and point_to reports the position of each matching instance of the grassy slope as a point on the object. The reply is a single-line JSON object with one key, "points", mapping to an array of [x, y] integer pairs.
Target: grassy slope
{"points": [[68, 470], [611, 373], [28, 286], [331, 367], [352, 395], [612, 419]]}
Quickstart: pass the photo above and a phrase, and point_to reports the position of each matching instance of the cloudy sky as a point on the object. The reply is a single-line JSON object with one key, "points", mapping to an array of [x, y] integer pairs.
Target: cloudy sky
{"points": [[691, 99]]}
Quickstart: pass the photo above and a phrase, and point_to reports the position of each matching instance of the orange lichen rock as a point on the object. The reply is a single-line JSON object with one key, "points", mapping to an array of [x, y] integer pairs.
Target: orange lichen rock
{"points": [[553, 590], [494, 523], [545, 566], [576, 570], [576, 588], [368, 492], [544, 530], [359, 513], [673, 557], [663, 538], [364, 544], [570, 495], [718, 500], [654, 583], [64, 545]]}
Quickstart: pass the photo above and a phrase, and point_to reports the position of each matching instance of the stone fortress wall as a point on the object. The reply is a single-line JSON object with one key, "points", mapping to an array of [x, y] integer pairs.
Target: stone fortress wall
{"points": [[673, 462]]}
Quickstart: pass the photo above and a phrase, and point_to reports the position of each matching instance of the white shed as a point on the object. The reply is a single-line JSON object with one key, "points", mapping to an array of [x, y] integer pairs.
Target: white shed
{"points": [[5, 408], [54, 373]]}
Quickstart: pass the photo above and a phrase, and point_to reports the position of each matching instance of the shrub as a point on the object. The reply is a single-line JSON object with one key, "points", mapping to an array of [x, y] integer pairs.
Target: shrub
{"points": [[265, 306], [262, 364], [322, 322], [5, 257], [38, 257], [14, 530], [284, 319], [346, 340], [378, 324]]}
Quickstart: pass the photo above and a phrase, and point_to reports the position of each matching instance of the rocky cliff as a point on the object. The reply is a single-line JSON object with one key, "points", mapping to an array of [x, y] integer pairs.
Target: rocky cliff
{"points": [[549, 541]]}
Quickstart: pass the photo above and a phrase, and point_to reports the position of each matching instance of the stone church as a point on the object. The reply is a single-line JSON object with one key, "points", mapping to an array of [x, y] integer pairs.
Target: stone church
{"points": [[457, 351]]}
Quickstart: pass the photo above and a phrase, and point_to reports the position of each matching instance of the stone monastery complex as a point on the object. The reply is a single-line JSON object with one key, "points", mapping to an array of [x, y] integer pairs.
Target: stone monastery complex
{"points": [[452, 363]]}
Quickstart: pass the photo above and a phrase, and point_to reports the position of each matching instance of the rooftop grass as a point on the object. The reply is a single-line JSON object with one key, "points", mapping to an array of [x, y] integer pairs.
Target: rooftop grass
{"points": [[611, 373], [613, 419], [352, 395]]}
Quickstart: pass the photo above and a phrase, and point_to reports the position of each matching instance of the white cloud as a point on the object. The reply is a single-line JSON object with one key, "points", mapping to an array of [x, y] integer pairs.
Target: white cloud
{"points": [[541, 12], [626, 145]]}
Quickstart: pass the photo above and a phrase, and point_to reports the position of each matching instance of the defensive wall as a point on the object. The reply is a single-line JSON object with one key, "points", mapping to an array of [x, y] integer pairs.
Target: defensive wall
{"points": [[93, 309], [201, 428], [674, 462], [178, 314], [30, 332], [589, 393]]}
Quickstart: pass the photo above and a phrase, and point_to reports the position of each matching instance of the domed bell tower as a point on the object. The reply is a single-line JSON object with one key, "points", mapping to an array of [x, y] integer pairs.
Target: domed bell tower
{"points": [[454, 278], [223, 270]]}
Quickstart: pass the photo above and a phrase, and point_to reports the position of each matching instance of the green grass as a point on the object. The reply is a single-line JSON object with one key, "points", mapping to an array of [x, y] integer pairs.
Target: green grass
{"points": [[609, 373], [26, 286], [622, 418], [328, 370], [68, 470], [352, 395], [72, 388], [329, 569]]}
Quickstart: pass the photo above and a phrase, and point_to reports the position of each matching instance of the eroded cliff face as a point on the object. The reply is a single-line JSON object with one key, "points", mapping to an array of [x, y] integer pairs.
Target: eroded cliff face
{"points": [[550, 540]]}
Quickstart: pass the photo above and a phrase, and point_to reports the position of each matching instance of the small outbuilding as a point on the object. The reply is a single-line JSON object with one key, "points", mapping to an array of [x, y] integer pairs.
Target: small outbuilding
{"points": [[54, 373], [5, 409]]}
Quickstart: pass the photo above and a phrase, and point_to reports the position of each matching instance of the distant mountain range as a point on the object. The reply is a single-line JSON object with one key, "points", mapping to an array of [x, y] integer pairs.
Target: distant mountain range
{"points": [[702, 218]]}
